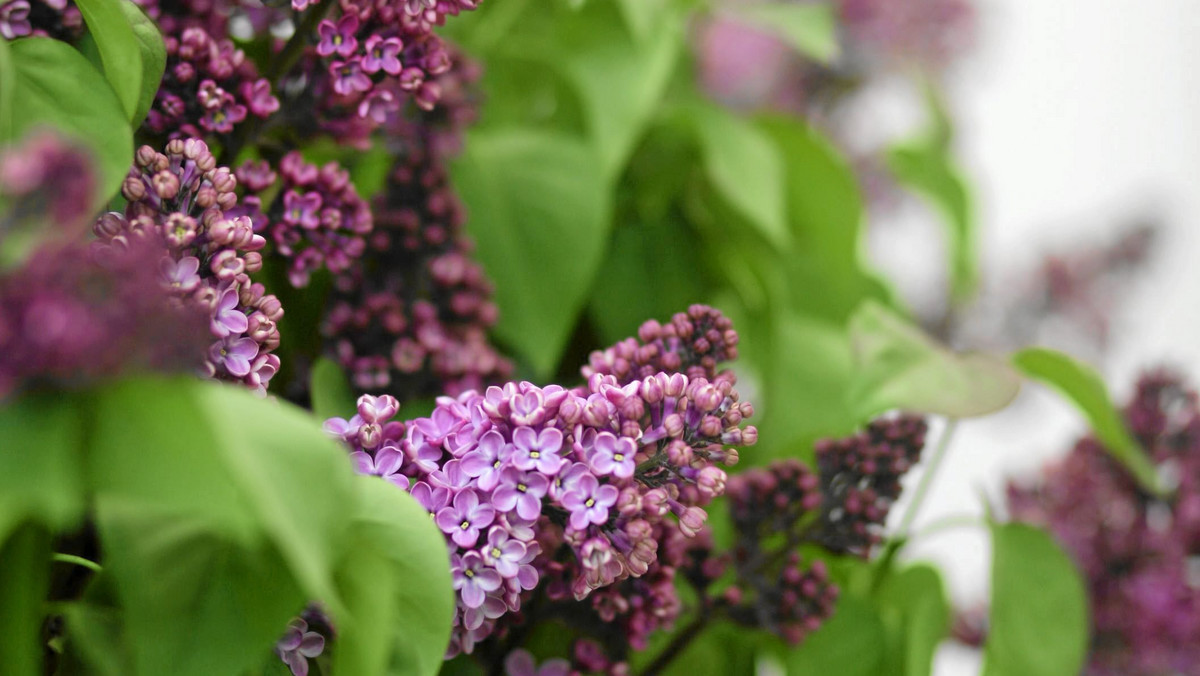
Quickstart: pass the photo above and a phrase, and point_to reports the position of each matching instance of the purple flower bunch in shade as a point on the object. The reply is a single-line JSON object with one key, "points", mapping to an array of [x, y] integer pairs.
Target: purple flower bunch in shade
{"points": [[58, 19], [569, 490], [317, 220], [522, 663], [181, 201], [68, 319], [860, 480], [208, 89], [692, 343], [412, 319], [48, 181], [1136, 552]]}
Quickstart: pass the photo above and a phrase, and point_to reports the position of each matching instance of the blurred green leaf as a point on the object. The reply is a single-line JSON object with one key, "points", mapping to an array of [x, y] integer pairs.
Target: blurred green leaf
{"points": [[743, 164], [214, 533], [24, 583], [120, 54], [810, 28], [926, 166], [1084, 387], [54, 85], [914, 606], [898, 366], [396, 582], [851, 643], [540, 212], [1039, 624], [331, 395], [41, 467]]}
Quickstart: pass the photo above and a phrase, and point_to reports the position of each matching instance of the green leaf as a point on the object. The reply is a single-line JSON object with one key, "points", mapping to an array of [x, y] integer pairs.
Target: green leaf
{"points": [[54, 85], [331, 395], [540, 212], [898, 366], [1039, 624], [926, 166], [24, 583], [213, 530], [1084, 387], [8, 78], [745, 166], [851, 643], [119, 51], [153, 57], [914, 605], [809, 28], [41, 471], [397, 586]]}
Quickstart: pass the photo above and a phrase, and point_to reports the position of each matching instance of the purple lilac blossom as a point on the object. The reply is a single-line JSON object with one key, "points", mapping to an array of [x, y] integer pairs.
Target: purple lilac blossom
{"points": [[298, 645]]}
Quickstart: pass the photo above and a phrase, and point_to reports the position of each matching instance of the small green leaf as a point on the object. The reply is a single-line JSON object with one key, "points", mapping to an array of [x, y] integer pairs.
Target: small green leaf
{"points": [[331, 395], [55, 86], [24, 583], [851, 643], [810, 28], [540, 212], [1039, 623], [1084, 387], [915, 601], [397, 586], [153, 57], [900, 367], [119, 51], [41, 468], [8, 79]]}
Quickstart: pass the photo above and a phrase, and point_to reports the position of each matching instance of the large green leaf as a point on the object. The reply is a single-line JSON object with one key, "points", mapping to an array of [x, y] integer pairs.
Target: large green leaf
{"points": [[1084, 387], [915, 609], [24, 582], [540, 212], [330, 391], [810, 28], [851, 643], [221, 514], [1038, 624], [898, 366], [396, 582], [120, 54], [54, 85], [153, 54], [41, 472]]}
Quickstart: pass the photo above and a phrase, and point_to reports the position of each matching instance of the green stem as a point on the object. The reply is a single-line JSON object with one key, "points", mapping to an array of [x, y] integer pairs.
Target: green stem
{"points": [[914, 506], [949, 523], [59, 557]]}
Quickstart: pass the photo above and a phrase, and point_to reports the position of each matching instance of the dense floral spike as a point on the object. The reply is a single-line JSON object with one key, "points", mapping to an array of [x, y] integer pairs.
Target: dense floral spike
{"points": [[412, 319], [860, 480], [67, 319], [209, 87], [692, 343], [47, 182], [317, 219], [569, 490], [58, 19], [773, 590], [1136, 553], [182, 202]]}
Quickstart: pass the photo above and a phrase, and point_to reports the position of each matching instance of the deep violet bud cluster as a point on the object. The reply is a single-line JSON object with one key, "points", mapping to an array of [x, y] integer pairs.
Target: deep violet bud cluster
{"points": [[773, 589], [59, 19], [860, 480], [567, 490], [317, 219], [182, 201], [412, 319], [209, 87], [693, 343], [1137, 553]]}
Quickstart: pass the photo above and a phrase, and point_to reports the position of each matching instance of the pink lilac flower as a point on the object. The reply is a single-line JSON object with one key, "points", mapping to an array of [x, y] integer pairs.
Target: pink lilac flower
{"points": [[465, 518], [14, 19], [521, 663], [298, 645], [472, 578], [338, 38]]}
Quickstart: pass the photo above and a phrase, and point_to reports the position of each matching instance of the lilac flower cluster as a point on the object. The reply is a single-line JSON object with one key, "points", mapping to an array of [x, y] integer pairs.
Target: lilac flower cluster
{"points": [[693, 343], [209, 87], [567, 490], [45, 179], [1137, 553], [182, 202], [316, 221], [305, 639], [59, 19], [860, 480], [413, 318], [773, 589]]}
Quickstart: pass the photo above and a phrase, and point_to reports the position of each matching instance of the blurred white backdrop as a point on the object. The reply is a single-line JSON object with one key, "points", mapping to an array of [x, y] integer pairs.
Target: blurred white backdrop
{"points": [[1074, 116]]}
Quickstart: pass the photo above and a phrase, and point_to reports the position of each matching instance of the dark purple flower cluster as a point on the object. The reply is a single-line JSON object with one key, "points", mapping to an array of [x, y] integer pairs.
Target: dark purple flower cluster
{"points": [[316, 221], [68, 319], [860, 480], [59, 19], [413, 318], [209, 87], [773, 590], [45, 179], [1137, 553], [182, 201], [693, 343], [567, 490]]}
